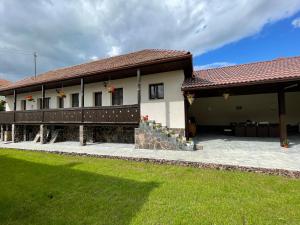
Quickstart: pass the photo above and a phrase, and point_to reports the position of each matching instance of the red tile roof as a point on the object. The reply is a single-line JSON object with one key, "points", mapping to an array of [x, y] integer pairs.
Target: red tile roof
{"points": [[282, 69], [140, 58], [4, 83]]}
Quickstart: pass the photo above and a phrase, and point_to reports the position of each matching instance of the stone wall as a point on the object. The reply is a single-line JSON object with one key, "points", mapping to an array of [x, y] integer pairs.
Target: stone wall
{"points": [[111, 134], [69, 133], [147, 137], [31, 132]]}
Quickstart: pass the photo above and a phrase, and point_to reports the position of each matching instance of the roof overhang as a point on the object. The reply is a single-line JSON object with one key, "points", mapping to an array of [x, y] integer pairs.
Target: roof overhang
{"points": [[171, 64], [261, 87]]}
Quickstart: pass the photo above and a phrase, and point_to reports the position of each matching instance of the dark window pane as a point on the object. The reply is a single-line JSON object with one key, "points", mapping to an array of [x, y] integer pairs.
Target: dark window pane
{"points": [[152, 92], [46, 103], [75, 100], [40, 102], [98, 99], [117, 96], [61, 103], [23, 105], [160, 91], [156, 91]]}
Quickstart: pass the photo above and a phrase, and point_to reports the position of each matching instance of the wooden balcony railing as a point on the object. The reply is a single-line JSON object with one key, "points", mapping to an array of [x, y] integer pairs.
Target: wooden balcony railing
{"points": [[126, 114]]}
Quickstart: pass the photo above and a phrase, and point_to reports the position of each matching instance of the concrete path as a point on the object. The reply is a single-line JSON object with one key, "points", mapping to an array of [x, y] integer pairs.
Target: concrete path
{"points": [[251, 152]]}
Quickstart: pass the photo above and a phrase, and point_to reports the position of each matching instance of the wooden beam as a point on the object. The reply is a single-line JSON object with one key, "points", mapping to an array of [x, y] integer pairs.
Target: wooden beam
{"points": [[43, 102], [186, 117], [138, 74], [43, 97], [82, 92], [15, 104], [15, 100], [82, 98], [282, 116]]}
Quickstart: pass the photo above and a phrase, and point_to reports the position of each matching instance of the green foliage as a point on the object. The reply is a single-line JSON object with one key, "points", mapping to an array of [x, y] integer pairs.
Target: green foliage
{"points": [[43, 188]]}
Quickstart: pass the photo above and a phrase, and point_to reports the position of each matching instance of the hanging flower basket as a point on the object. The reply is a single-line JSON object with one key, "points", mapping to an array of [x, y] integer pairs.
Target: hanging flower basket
{"points": [[110, 88], [190, 98], [29, 98], [61, 94]]}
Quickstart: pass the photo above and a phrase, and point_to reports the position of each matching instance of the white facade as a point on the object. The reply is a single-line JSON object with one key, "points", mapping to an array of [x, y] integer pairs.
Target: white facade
{"points": [[168, 111]]}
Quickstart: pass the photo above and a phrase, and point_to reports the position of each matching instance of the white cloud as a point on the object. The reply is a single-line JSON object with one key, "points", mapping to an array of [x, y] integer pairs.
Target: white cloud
{"points": [[114, 51], [213, 65], [70, 32], [94, 58], [296, 22]]}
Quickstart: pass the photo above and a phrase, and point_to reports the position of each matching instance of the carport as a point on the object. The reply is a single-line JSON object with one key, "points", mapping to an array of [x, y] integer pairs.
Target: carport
{"points": [[250, 100]]}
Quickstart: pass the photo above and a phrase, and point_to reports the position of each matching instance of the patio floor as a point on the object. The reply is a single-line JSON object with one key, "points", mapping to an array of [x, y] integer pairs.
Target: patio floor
{"points": [[252, 152]]}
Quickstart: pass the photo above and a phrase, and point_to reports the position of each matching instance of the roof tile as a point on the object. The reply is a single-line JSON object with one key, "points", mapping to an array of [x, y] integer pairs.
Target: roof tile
{"points": [[281, 69], [102, 65]]}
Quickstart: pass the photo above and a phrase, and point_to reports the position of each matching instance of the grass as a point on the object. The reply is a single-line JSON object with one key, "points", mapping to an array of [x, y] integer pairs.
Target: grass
{"points": [[43, 188]]}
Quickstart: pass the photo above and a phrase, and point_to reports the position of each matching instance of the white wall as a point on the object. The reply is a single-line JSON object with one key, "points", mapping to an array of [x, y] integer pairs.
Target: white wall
{"points": [[168, 111], [260, 107]]}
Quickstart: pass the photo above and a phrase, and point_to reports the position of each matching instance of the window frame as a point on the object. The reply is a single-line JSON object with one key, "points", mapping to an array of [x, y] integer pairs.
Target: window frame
{"points": [[23, 105], [72, 102], [40, 103], [121, 96], [95, 98], [156, 95], [60, 103]]}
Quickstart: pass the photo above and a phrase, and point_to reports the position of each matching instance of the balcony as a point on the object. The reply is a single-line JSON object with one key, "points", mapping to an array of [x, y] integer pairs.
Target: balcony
{"points": [[126, 114]]}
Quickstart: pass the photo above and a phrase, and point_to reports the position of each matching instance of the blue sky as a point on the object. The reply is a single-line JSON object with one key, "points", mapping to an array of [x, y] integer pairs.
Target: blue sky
{"points": [[279, 39]]}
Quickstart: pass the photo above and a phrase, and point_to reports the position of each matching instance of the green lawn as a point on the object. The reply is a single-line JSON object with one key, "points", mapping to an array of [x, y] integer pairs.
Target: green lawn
{"points": [[43, 188]]}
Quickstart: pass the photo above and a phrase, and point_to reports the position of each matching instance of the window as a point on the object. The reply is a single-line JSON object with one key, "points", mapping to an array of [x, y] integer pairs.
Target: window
{"points": [[46, 103], [75, 100], [156, 91], [60, 102], [98, 99], [23, 105], [117, 96]]}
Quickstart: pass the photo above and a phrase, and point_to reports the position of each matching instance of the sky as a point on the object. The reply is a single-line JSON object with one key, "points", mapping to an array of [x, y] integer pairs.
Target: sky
{"points": [[217, 33]]}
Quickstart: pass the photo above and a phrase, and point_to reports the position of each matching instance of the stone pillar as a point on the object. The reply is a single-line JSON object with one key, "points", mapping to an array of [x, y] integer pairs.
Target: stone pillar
{"points": [[2, 133], [7, 134], [24, 133], [82, 135], [16, 133], [43, 134]]}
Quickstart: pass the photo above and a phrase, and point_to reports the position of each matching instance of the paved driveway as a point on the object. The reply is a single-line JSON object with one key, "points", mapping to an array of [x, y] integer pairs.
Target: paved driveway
{"points": [[254, 152]]}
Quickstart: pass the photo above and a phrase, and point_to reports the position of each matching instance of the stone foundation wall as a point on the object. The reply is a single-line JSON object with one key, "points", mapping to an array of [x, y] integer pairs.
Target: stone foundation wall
{"points": [[111, 134], [149, 138], [17, 133], [31, 132], [69, 133]]}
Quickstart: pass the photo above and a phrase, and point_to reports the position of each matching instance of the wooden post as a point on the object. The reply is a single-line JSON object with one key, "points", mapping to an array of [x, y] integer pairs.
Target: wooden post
{"points": [[282, 115], [82, 97], [43, 97], [138, 74], [15, 104], [43, 102], [186, 116]]}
